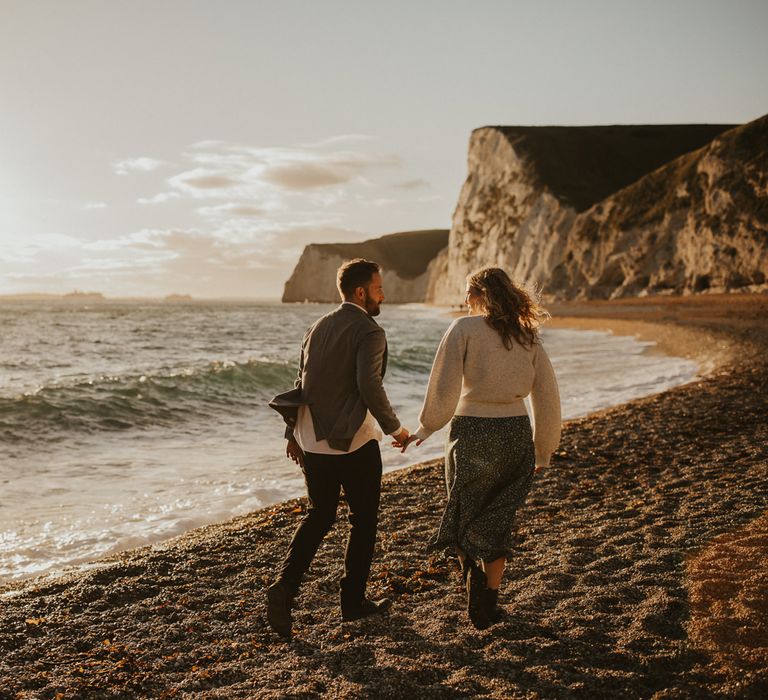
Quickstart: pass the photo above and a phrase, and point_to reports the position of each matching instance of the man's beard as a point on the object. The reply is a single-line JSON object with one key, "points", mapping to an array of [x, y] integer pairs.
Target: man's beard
{"points": [[372, 307]]}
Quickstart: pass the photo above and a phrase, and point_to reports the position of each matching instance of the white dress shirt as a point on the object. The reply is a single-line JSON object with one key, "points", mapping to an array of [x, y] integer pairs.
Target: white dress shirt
{"points": [[304, 432]]}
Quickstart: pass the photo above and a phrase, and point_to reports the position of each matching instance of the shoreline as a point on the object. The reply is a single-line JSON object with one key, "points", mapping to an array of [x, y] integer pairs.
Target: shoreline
{"points": [[433, 451], [598, 599]]}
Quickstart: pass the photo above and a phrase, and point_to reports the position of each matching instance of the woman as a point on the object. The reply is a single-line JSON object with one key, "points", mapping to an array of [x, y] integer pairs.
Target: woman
{"points": [[486, 364]]}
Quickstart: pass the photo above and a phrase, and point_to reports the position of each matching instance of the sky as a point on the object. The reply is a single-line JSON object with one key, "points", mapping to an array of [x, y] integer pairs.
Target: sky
{"points": [[195, 147]]}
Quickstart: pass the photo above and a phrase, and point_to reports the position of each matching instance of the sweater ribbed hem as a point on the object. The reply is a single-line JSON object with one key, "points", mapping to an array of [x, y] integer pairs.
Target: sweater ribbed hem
{"points": [[484, 409], [480, 409]]}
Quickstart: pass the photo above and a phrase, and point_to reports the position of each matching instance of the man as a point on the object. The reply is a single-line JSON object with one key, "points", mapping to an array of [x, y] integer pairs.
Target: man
{"points": [[332, 434]]}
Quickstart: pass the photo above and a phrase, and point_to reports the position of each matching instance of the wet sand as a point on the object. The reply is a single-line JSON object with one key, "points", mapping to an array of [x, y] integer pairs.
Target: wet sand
{"points": [[641, 569]]}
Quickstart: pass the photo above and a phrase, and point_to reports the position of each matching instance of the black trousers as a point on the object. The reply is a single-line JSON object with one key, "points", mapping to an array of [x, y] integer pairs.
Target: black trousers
{"points": [[359, 474]]}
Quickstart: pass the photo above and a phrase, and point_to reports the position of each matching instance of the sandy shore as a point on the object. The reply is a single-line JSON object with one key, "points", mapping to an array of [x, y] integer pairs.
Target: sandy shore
{"points": [[641, 569]]}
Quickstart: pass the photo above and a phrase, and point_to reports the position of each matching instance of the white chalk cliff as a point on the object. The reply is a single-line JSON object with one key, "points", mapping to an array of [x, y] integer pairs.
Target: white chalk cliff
{"points": [[584, 212], [599, 212]]}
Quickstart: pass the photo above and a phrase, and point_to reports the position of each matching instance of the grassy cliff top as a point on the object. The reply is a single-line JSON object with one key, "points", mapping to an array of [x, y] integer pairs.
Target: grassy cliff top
{"points": [[744, 148], [407, 253], [582, 165]]}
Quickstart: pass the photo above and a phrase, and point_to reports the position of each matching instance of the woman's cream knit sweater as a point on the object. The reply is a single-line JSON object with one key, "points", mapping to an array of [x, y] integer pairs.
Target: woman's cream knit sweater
{"points": [[475, 375]]}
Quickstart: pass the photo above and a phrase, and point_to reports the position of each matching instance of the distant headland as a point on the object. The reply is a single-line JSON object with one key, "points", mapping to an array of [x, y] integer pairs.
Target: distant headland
{"points": [[79, 297]]}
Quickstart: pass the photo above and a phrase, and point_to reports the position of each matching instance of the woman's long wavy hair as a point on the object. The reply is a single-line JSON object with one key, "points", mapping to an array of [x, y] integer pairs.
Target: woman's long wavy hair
{"points": [[510, 310]]}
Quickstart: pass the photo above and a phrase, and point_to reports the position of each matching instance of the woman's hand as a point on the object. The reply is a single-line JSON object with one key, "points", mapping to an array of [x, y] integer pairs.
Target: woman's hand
{"points": [[403, 444]]}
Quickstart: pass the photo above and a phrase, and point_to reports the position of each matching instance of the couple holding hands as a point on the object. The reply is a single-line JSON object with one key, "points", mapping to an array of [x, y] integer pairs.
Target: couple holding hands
{"points": [[485, 365]]}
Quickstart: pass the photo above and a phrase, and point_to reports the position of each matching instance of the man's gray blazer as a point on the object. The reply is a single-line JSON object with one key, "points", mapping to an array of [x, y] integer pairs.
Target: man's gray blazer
{"points": [[342, 365]]}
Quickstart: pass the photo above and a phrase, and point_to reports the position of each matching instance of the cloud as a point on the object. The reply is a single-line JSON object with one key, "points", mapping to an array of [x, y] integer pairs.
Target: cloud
{"points": [[415, 184], [139, 165], [210, 144], [259, 207], [31, 246], [50, 262], [308, 170], [285, 182], [159, 198], [204, 183], [292, 239], [232, 209], [146, 238], [202, 180], [230, 170], [244, 257], [341, 138], [255, 263], [382, 202], [95, 205], [304, 176]]}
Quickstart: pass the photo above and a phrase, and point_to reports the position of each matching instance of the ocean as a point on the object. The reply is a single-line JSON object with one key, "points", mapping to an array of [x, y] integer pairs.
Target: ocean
{"points": [[127, 423]]}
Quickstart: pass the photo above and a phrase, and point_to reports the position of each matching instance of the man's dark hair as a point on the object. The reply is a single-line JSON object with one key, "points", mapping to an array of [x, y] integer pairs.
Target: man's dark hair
{"points": [[353, 274]]}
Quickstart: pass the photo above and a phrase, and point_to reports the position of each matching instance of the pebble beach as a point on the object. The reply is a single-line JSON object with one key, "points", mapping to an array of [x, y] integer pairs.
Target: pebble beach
{"points": [[641, 568]]}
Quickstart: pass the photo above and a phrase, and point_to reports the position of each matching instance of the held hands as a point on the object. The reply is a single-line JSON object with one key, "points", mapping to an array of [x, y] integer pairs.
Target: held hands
{"points": [[402, 439]]}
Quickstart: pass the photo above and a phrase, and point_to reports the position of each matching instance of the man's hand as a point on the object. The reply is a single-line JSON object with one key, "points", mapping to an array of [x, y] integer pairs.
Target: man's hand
{"points": [[294, 452], [402, 439]]}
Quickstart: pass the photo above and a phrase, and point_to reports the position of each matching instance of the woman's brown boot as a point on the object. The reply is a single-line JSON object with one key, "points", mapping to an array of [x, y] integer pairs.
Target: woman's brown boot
{"points": [[492, 609]]}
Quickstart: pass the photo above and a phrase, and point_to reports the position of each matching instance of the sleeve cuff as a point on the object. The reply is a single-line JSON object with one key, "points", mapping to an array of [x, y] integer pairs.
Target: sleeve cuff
{"points": [[395, 432], [422, 433]]}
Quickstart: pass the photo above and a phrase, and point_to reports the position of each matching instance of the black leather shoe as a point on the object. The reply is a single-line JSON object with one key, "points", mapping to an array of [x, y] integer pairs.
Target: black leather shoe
{"points": [[477, 587], [279, 602], [364, 609]]}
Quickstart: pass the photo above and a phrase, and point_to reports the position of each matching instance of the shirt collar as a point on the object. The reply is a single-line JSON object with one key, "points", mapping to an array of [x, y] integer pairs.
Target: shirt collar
{"points": [[355, 306]]}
